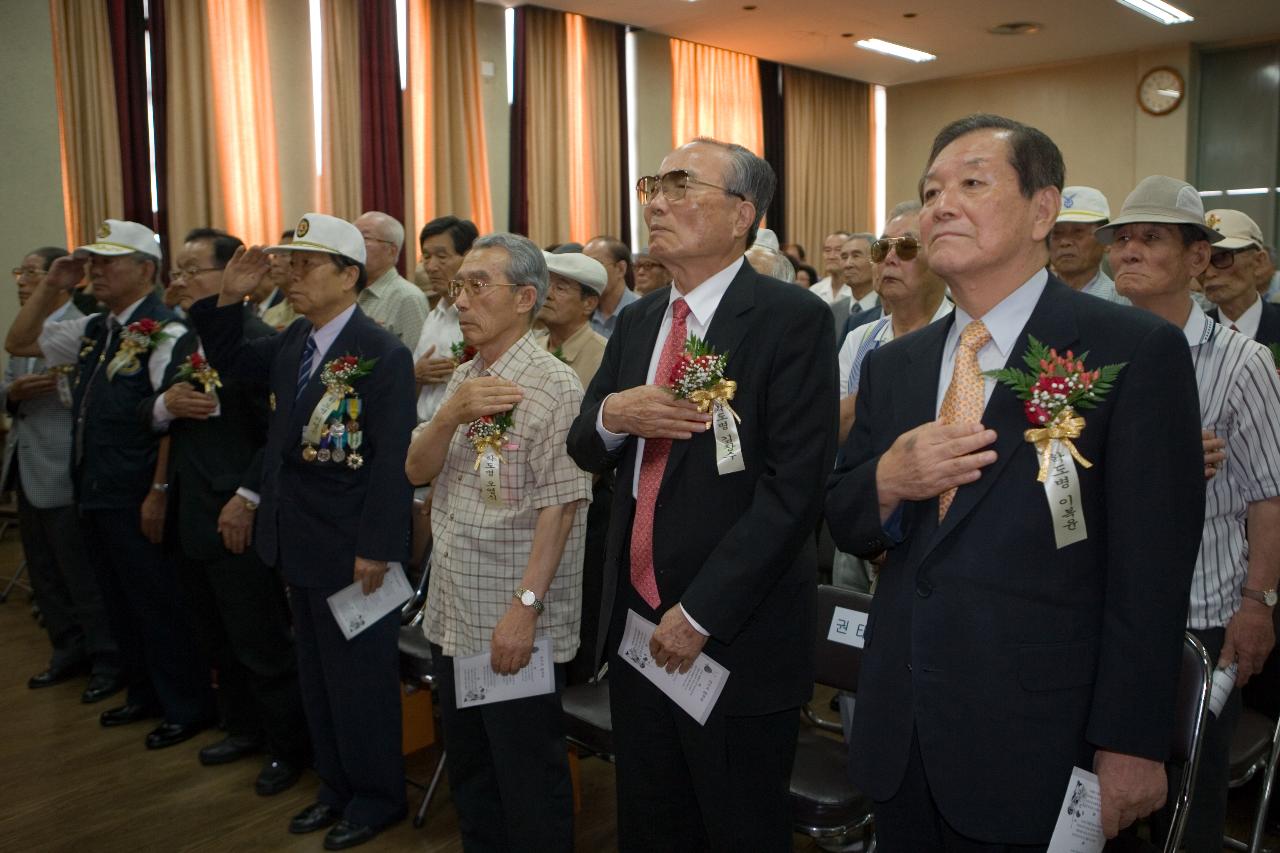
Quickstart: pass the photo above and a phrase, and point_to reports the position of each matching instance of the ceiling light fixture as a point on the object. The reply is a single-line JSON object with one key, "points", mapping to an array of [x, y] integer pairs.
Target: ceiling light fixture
{"points": [[896, 50], [1158, 10]]}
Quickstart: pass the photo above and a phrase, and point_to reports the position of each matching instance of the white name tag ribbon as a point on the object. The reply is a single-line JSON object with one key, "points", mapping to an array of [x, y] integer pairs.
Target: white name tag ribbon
{"points": [[490, 477], [728, 445], [1062, 490], [848, 627]]}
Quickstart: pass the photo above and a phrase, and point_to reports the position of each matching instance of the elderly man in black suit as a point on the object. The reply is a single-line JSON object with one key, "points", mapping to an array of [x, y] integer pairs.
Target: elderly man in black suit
{"points": [[1009, 639], [335, 505], [1238, 262], [237, 605], [720, 555]]}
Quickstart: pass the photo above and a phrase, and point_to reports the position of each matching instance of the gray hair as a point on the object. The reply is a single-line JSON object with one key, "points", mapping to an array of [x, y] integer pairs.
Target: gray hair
{"points": [[772, 263], [525, 264], [390, 227], [748, 176], [861, 235], [903, 208]]}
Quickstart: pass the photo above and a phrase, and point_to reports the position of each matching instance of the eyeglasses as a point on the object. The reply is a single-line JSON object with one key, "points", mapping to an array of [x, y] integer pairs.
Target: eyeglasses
{"points": [[648, 265], [19, 272], [673, 185], [191, 272], [1224, 259], [475, 286], [906, 247]]}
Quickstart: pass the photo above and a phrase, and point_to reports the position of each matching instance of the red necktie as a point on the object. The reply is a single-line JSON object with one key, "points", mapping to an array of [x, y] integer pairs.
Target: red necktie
{"points": [[652, 465]]}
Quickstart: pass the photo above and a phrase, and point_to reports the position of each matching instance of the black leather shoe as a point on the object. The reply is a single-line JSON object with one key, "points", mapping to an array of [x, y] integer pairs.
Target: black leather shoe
{"points": [[170, 734], [313, 817], [125, 714], [347, 834], [230, 748], [100, 687], [55, 675], [277, 775]]}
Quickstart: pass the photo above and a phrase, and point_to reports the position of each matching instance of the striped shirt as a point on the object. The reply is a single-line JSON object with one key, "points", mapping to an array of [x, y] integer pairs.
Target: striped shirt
{"points": [[1239, 402], [865, 338]]}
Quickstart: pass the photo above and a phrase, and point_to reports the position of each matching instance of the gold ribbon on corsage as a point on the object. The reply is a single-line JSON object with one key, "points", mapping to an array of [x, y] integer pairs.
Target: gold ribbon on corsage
{"points": [[1065, 427], [136, 338], [698, 376], [487, 435], [717, 395]]}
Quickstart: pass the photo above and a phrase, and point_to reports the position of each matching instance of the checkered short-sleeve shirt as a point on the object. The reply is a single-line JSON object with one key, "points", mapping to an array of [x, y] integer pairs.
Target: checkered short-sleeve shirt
{"points": [[481, 551]]}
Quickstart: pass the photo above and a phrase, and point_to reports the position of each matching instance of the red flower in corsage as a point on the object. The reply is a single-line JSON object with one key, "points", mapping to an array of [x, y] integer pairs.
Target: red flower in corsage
{"points": [[1052, 391], [342, 371], [136, 338], [489, 432], [462, 352], [698, 375], [197, 370]]}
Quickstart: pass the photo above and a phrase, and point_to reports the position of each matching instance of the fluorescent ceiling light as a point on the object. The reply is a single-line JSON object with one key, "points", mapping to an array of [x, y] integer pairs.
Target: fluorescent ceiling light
{"points": [[1248, 191], [891, 49], [1210, 193], [1158, 10]]}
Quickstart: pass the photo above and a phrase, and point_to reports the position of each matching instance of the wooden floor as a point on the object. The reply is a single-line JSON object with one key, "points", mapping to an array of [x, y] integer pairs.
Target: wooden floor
{"points": [[67, 784]]}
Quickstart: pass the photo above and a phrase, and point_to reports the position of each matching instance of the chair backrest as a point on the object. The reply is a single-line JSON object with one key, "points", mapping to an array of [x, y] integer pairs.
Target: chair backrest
{"points": [[1190, 716], [838, 636], [411, 611]]}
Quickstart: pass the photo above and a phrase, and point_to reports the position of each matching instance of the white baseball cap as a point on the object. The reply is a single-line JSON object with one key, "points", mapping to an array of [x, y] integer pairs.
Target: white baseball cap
{"points": [[319, 232], [1083, 204], [120, 237], [1238, 230], [767, 238], [576, 266]]}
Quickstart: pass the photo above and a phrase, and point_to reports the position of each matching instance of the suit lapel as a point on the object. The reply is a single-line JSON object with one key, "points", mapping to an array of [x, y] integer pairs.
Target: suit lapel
{"points": [[1052, 322], [728, 327], [1269, 324]]}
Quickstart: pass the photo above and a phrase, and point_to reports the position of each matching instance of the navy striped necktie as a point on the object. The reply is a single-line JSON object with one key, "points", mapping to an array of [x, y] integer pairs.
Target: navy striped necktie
{"points": [[304, 369]]}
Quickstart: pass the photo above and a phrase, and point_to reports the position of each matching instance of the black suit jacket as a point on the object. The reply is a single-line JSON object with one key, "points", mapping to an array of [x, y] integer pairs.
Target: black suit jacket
{"points": [[736, 550], [315, 518], [210, 459], [1268, 325], [1013, 660]]}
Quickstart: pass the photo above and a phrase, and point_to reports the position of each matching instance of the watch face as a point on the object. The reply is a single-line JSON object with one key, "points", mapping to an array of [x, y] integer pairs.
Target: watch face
{"points": [[527, 598], [1269, 597]]}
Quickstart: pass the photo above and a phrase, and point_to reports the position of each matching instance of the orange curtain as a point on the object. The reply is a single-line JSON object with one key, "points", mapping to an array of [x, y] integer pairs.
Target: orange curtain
{"points": [[195, 197], [339, 182], [715, 93], [244, 118], [582, 211], [88, 129]]}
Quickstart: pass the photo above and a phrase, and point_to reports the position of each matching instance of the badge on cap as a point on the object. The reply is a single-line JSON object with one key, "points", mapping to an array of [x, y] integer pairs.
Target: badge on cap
{"points": [[303, 227], [1213, 221], [104, 231], [1068, 201]]}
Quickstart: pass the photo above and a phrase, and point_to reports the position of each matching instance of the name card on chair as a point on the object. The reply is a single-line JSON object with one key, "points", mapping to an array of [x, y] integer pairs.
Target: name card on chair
{"points": [[848, 627]]}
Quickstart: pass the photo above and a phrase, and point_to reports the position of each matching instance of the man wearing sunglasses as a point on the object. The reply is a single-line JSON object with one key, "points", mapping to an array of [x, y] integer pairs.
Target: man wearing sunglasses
{"points": [[1236, 264], [999, 652], [723, 561]]}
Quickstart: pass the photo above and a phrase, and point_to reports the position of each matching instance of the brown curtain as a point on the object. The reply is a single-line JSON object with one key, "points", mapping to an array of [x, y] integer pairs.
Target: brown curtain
{"points": [[339, 190], [828, 162], [715, 93], [195, 190], [88, 127], [600, 98], [546, 38]]}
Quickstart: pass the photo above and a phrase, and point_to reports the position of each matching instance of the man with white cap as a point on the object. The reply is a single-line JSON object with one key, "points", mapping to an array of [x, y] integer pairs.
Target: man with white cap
{"points": [[1159, 243], [119, 359], [1074, 254], [576, 284], [335, 505], [1237, 263]]}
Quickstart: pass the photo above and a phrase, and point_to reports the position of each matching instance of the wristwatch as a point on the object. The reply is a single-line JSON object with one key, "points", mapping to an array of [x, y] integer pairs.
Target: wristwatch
{"points": [[248, 504], [162, 488], [528, 599], [1266, 596]]}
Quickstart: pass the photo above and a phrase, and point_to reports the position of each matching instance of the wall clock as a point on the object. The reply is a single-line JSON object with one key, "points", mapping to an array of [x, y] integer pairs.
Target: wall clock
{"points": [[1161, 90]]}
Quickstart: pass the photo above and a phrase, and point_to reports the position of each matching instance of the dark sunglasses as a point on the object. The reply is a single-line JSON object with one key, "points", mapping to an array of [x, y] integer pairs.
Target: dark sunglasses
{"points": [[1225, 258], [906, 247], [673, 185]]}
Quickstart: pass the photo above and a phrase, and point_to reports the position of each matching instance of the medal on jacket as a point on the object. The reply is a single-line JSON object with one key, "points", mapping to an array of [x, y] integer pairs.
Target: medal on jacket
{"points": [[338, 404], [62, 381]]}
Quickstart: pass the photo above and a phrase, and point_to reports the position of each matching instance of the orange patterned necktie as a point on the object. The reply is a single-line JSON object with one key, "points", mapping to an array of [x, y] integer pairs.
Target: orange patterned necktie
{"points": [[963, 402], [652, 466]]}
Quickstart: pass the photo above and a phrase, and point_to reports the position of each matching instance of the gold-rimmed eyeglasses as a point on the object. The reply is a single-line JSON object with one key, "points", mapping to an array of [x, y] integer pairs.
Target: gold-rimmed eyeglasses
{"points": [[906, 247], [475, 286], [190, 272], [673, 185]]}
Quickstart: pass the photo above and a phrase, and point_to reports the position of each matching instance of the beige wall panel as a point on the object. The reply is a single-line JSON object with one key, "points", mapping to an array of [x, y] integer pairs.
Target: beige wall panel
{"points": [[288, 38]]}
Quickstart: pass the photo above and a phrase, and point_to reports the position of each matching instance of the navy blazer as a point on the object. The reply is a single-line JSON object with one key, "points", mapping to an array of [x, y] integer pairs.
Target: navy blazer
{"points": [[1010, 659], [1268, 324], [736, 550], [315, 518]]}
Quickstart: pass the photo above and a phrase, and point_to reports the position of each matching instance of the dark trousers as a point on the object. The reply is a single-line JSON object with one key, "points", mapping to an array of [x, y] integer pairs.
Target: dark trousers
{"points": [[909, 821], [723, 786], [140, 590], [351, 694], [508, 769], [582, 668], [240, 619], [65, 587], [1207, 815]]}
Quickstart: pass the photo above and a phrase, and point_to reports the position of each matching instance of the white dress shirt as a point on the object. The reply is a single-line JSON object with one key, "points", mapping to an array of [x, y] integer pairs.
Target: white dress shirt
{"points": [[1247, 323], [60, 342], [439, 330]]}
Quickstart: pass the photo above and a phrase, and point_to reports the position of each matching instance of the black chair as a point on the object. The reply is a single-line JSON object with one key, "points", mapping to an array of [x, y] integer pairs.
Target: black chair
{"points": [[1254, 749], [825, 804], [417, 672], [1188, 732], [588, 721]]}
